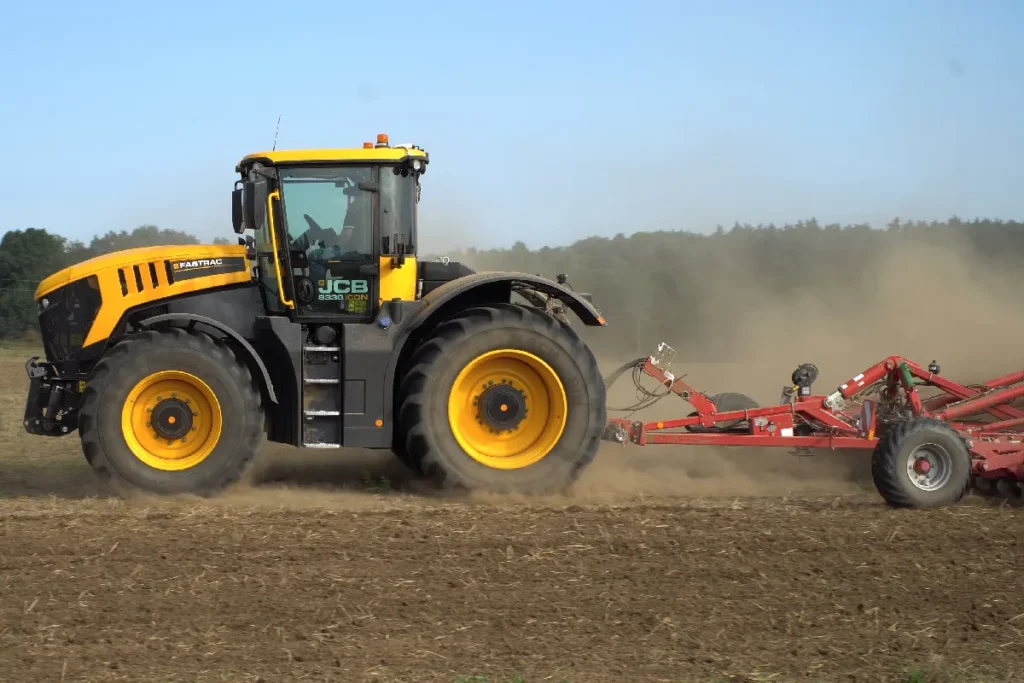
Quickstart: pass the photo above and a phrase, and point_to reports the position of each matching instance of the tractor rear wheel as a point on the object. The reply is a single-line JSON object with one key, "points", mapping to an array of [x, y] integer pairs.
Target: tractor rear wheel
{"points": [[502, 398], [171, 412], [922, 463]]}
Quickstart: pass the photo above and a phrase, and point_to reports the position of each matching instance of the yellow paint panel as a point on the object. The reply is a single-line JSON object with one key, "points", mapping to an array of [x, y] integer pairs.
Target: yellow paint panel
{"points": [[376, 154], [116, 302], [126, 258], [397, 283]]}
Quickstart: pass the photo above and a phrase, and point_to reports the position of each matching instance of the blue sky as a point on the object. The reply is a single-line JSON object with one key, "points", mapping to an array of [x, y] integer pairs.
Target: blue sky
{"points": [[546, 122]]}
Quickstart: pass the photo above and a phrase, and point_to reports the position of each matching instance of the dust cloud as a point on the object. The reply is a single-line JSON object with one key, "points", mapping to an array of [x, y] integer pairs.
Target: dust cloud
{"points": [[936, 301], [922, 301]]}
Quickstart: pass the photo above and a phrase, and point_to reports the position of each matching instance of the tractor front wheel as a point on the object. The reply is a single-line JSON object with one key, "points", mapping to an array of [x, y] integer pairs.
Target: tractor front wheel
{"points": [[169, 413], [922, 463], [502, 398]]}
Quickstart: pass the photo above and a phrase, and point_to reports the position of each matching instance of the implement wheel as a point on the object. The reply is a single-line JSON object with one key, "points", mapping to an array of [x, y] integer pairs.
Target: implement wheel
{"points": [[923, 463], [171, 412], [502, 398], [725, 402]]}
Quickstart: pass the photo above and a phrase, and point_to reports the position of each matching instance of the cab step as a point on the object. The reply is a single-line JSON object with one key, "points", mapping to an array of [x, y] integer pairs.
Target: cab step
{"points": [[322, 401]]}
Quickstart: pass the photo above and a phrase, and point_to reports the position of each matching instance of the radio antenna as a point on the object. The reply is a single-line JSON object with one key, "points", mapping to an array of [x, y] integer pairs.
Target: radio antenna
{"points": [[276, 129]]}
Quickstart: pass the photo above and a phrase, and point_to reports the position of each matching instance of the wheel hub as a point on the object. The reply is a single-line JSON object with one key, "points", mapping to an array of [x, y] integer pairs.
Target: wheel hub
{"points": [[172, 419], [929, 467], [502, 407]]}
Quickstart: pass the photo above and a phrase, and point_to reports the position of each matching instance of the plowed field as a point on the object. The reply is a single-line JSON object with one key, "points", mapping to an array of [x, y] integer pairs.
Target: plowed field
{"points": [[667, 565]]}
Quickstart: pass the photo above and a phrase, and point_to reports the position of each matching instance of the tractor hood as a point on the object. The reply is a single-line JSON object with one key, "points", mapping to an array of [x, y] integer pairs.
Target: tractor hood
{"points": [[199, 256]]}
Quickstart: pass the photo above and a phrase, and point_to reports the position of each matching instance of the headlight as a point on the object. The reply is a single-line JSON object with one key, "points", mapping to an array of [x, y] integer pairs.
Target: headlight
{"points": [[51, 300]]}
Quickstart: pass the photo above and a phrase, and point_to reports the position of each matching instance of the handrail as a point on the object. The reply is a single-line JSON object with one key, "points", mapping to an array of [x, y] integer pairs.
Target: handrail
{"points": [[273, 240]]}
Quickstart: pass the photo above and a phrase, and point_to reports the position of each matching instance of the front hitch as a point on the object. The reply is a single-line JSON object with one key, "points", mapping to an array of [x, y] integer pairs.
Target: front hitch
{"points": [[51, 408]]}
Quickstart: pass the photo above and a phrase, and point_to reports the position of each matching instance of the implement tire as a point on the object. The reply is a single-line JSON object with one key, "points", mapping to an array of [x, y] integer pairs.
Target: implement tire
{"points": [[725, 402], [903, 481], [171, 412], [502, 398]]}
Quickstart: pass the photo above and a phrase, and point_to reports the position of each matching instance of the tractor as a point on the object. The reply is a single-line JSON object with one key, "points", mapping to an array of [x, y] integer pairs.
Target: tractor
{"points": [[319, 329]]}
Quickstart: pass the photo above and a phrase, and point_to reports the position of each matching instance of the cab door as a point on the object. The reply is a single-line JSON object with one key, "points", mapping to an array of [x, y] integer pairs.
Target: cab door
{"points": [[330, 213]]}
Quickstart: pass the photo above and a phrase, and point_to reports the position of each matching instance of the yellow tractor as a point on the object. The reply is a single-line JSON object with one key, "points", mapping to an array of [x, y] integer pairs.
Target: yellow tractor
{"points": [[320, 329]]}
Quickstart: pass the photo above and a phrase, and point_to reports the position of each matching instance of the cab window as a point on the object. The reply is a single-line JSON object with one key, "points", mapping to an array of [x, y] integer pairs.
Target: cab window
{"points": [[328, 216]]}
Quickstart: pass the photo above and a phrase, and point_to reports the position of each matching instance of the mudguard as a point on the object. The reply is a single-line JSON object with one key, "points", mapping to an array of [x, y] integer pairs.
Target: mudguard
{"points": [[192, 319], [497, 286]]}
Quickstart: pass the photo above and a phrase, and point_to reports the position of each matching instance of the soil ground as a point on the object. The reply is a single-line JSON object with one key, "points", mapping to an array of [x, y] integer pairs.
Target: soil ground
{"points": [[662, 565]]}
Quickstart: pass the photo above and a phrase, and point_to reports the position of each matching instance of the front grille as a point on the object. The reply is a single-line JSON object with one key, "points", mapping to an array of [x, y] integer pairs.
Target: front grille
{"points": [[65, 322]]}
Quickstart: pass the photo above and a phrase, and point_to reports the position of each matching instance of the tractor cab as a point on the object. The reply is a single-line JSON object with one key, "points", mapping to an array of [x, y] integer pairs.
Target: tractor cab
{"points": [[334, 230]]}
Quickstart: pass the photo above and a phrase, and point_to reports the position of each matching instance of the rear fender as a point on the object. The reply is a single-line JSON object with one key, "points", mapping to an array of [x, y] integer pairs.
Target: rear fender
{"points": [[495, 287]]}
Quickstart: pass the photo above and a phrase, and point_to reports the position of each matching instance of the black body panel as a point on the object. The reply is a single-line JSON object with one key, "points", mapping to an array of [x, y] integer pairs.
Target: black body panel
{"points": [[368, 350], [236, 307], [433, 274], [279, 342]]}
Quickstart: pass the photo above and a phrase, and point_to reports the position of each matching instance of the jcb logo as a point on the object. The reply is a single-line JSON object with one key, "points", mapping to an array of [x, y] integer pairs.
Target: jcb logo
{"points": [[344, 287]]}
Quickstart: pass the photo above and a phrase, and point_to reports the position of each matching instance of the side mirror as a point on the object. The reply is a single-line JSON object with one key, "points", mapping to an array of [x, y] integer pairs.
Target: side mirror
{"points": [[237, 221], [251, 205]]}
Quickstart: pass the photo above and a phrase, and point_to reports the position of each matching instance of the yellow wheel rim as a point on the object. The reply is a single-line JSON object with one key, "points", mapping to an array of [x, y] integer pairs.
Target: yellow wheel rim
{"points": [[507, 409], [171, 420]]}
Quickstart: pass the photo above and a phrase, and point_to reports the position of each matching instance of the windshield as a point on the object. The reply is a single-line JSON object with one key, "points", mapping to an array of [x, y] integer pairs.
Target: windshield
{"points": [[328, 216]]}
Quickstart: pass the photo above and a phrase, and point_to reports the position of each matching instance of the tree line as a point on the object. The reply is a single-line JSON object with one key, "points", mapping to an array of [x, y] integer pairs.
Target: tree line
{"points": [[652, 286]]}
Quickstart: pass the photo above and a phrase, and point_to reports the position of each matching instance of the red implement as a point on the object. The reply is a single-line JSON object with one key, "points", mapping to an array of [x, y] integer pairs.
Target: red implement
{"points": [[930, 438]]}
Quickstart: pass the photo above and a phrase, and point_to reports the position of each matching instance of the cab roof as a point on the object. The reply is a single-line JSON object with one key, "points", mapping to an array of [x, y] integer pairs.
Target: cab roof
{"points": [[381, 153]]}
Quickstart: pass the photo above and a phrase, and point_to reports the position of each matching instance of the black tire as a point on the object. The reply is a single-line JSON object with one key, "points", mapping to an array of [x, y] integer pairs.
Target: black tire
{"points": [[430, 446], [139, 357], [725, 402], [921, 436]]}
